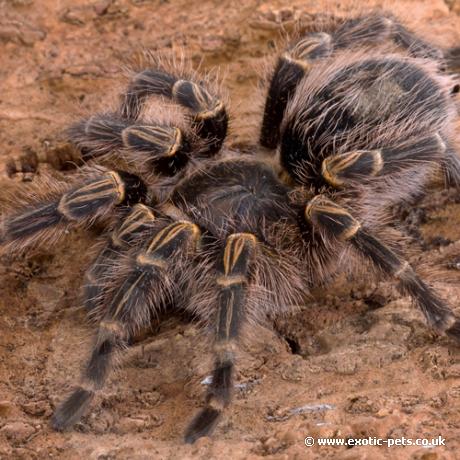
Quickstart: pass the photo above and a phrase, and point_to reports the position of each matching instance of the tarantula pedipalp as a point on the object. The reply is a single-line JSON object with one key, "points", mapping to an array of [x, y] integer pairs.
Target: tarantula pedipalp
{"points": [[231, 236]]}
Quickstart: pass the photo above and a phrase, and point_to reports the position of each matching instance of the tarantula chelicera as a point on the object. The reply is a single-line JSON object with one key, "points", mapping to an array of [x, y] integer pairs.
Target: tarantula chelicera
{"points": [[358, 118]]}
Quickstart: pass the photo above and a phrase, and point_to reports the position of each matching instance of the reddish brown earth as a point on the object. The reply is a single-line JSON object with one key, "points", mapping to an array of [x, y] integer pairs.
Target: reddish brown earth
{"points": [[357, 358]]}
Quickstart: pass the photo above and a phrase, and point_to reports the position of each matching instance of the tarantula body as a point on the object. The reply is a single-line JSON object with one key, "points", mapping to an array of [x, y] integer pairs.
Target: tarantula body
{"points": [[236, 237]]}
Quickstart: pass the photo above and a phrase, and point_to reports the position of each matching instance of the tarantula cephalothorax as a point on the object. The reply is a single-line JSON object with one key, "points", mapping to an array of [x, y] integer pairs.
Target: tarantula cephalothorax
{"points": [[234, 237]]}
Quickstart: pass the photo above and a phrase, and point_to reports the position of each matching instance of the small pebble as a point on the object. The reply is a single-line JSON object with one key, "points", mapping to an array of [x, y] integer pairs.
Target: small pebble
{"points": [[18, 431]]}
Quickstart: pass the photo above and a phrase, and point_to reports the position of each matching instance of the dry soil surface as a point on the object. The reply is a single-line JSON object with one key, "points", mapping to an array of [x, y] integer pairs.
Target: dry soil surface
{"points": [[355, 361]]}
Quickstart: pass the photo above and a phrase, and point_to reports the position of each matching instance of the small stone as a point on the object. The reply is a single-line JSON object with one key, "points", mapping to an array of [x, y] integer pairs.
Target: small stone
{"points": [[149, 399], [383, 412], [453, 371], [190, 332], [19, 32], [37, 408], [271, 445], [83, 70], [424, 455], [288, 437], [6, 409], [102, 7], [202, 442], [131, 424], [76, 16], [361, 405], [18, 431], [212, 43], [102, 422]]}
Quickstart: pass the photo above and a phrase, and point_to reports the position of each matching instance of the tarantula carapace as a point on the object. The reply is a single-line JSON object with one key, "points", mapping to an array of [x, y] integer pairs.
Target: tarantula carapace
{"points": [[358, 118]]}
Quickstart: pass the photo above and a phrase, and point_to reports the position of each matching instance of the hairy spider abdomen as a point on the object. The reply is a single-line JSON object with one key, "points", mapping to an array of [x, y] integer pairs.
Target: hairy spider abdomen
{"points": [[370, 104]]}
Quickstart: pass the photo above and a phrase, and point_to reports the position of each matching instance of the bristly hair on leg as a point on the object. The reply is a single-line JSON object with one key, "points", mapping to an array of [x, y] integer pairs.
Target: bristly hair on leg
{"points": [[51, 208]]}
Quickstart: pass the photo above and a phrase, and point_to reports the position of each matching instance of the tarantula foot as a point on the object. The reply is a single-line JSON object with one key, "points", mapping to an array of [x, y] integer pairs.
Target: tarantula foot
{"points": [[202, 425], [71, 410]]}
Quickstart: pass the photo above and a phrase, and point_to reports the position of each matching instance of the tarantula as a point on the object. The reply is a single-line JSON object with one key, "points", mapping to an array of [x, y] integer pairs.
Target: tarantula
{"points": [[358, 117]]}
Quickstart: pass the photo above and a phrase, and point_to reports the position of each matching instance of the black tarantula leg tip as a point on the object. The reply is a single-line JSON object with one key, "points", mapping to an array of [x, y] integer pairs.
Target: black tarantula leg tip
{"points": [[338, 223], [436, 311], [234, 269], [71, 410], [145, 276], [203, 424], [112, 336]]}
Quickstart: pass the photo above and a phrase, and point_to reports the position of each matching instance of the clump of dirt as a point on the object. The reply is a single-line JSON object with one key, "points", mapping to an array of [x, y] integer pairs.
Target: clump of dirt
{"points": [[356, 361]]}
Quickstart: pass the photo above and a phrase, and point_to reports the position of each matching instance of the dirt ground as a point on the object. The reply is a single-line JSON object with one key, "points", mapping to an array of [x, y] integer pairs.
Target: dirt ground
{"points": [[356, 361]]}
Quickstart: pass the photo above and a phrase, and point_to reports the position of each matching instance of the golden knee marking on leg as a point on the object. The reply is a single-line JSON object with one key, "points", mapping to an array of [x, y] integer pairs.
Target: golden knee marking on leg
{"points": [[113, 327], [302, 64], [209, 105], [333, 166], [299, 53], [206, 114], [176, 87], [312, 204], [171, 232], [139, 216], [110, 185], [147, 260], [119, 186], [350, 232], [167, 140], [234, 247], [320, 205], [230, 280]]}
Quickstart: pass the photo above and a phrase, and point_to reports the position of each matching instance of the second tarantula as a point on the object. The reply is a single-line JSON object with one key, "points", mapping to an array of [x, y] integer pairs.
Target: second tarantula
{"points": [[233, 237]]}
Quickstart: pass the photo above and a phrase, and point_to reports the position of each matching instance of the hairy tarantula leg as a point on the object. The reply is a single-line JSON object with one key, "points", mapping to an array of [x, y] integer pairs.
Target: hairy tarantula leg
{"points": [[160, 148], [128, 309], [138, 221], [81, 205], [368, 30], [112, 336], [299, 57], [339, 223], [289, 70], [209, 115], [338, 170], [238, 253]]}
